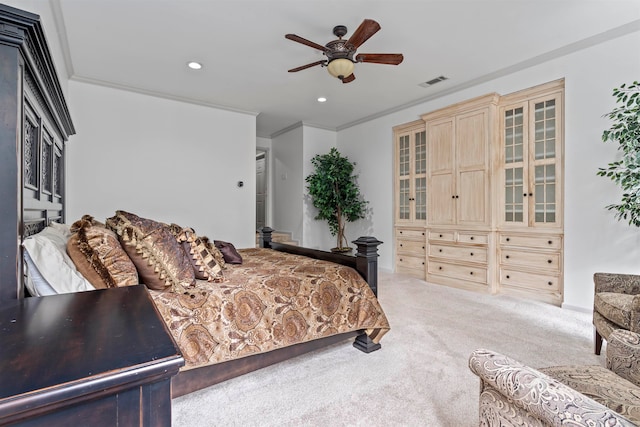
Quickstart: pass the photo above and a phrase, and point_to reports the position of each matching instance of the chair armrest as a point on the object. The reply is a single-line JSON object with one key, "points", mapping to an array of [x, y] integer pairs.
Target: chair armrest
{"points": [[538, 394], [623, 354], [619, 283]]}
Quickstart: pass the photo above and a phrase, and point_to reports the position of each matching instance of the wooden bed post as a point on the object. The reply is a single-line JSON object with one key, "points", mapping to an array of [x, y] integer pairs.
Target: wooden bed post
{"points": [[367, 260], [367, 266], [265, 237]]}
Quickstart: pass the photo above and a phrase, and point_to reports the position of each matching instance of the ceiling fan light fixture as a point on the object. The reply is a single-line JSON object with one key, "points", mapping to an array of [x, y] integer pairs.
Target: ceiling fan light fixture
{"points": [[340, 67]]}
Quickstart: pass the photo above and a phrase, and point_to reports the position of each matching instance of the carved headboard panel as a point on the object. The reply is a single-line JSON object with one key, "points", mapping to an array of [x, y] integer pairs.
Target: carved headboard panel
{"points": [[34, 125]]}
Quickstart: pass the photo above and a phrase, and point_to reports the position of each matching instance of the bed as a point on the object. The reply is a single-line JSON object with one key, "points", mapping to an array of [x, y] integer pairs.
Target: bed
{"points": [[34, 128]]}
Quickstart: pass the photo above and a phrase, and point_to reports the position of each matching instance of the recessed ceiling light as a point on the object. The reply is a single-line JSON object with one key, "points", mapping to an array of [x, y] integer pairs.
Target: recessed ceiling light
{"points": [[194, 65], [322, 99]]}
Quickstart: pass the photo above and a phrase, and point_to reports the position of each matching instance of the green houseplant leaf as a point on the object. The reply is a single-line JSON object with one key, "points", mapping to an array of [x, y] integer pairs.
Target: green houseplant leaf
{"points": [[335, 193], [625, 131]]}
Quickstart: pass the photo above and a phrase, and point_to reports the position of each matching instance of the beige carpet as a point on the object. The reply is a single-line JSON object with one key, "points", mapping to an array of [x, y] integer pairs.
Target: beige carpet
{"points": [[419, 377]]}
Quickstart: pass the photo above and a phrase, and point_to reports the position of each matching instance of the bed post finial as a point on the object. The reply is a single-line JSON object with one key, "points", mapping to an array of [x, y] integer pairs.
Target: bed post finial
{"points": [[265, 237], [367, 260]]}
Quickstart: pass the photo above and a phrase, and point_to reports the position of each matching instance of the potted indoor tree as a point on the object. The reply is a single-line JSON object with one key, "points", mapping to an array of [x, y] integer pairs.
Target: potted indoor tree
{"points": [[625, 131], [335, 193]]}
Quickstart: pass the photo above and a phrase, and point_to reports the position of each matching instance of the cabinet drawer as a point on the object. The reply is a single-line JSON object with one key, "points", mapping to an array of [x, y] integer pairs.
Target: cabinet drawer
{"points": [[540, 260], [445, 236], [546, 282], [542, 242], [474, 274], [410, 233], [459, 253], [472, 238], [405, 261], [411, 246]]}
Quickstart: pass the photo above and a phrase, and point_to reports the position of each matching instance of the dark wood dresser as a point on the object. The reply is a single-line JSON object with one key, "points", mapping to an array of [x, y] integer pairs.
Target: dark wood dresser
{"points": [[100, 358]]}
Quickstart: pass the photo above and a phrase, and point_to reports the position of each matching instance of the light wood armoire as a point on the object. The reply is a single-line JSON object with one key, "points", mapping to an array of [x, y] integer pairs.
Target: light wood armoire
{"points": [[478, 194]]}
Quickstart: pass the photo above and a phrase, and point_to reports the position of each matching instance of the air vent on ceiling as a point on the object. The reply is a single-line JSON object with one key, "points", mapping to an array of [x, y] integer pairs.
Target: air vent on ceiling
{"points": [[433, 81]]}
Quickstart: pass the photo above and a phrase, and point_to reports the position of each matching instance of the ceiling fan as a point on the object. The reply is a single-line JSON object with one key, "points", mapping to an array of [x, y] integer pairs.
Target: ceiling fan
{"points": [[340, 53]]}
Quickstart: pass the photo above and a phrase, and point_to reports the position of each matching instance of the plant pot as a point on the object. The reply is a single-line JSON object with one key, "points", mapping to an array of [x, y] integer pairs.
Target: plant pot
{"points": [[343, 250]]}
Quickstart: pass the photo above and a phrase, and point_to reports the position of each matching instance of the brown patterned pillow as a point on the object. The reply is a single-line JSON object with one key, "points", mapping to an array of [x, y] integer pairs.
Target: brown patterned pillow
{"points": [[204, 262], [98, 256], [229, 252], [159, 258]]}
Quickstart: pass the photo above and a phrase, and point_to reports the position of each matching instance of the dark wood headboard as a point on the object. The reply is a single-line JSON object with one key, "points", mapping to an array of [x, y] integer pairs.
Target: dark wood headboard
{"points": [[34, 125]]}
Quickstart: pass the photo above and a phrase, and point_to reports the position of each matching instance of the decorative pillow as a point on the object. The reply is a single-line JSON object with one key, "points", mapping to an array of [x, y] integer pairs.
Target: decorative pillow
{"points": [[98, 255], [205, 265], [215, 251], [48, 251], [159, 258], [228, 251]]}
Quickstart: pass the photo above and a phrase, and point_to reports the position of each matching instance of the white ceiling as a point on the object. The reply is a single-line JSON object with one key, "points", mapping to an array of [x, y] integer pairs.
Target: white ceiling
{"points": [[144, 45]]}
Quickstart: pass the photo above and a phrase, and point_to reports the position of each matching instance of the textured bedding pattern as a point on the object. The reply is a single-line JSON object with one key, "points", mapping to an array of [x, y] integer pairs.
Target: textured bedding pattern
{"points": [[272, 300]]}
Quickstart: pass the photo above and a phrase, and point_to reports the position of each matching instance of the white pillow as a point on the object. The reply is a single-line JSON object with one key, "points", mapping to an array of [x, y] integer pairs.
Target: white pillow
{"points": [[48, 250], [35, 283]]}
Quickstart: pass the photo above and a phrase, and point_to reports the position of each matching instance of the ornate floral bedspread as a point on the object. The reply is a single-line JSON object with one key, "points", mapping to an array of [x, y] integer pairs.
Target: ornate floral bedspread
{"points": [[272, 300]]}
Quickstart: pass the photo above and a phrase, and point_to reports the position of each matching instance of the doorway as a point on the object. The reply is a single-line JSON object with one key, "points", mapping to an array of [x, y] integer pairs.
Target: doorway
{"points": [[261, 189]]}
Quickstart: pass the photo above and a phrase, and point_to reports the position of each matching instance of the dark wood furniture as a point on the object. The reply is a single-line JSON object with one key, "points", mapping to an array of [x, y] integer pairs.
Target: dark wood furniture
{"points": [[34, 125], [101, 358]]}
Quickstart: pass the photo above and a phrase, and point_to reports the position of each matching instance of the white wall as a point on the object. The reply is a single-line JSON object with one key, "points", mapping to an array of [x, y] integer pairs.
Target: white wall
{"points": [[594, 240], [161, 159]]}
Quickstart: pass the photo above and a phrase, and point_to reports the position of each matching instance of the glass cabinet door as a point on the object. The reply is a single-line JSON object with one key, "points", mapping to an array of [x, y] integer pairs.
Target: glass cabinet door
{"points": [[411, 176], [531, 147], [420, 175]]}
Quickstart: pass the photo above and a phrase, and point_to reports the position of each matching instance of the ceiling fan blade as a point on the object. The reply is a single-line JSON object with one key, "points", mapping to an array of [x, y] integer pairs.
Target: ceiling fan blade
{"points": [[368, 28], [380, 58], [351, 77], [304, 67], [305, 42]]}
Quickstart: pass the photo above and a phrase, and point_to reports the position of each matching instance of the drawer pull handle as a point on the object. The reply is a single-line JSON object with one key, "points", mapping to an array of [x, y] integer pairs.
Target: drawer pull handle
{"points": [[507, 257], [471, 273], [400, 244], [400, 231], [441, 235], [439, 250], [400, 259], [471, 238], [549, 283], [422, 262], [422, 247], [423, 233], [508, 276], [549, 261], [508, 239], [471, 253], [550, 242], [439, 268]]}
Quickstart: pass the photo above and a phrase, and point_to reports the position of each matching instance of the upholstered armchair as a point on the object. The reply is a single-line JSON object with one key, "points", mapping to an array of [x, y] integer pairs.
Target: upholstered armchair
{"points": [[512, 394], [616, 305]]}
